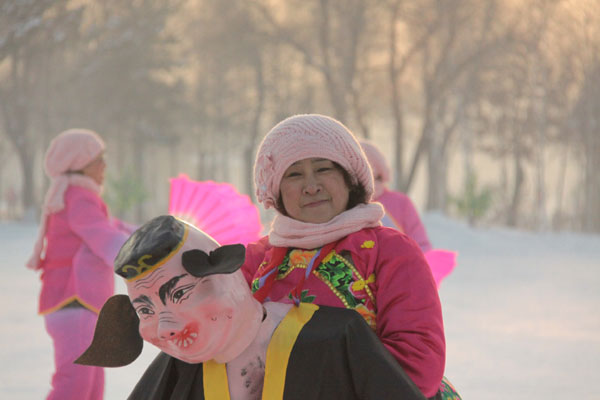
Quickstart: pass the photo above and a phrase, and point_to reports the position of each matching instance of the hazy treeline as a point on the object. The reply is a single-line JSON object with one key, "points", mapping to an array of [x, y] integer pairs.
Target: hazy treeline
{"points": [[193, 85]]}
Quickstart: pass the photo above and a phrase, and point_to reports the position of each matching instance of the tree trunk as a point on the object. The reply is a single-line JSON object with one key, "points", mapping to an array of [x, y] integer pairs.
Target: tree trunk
{"points": [[591, 215], [259, 81], [396, 101], [513, 209], [336, 95], [16, 115], [28, 196], [436, 169], [557, 222], [541, 122], [138, 159], [422, 146]]}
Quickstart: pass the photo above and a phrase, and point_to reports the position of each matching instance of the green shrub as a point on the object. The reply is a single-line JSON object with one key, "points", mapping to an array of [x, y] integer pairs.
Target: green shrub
{"points": [[475, 202], [123, 193]]}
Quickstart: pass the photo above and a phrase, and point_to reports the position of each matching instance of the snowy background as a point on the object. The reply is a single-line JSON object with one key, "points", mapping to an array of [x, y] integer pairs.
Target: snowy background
{"points": [[520, 309]]}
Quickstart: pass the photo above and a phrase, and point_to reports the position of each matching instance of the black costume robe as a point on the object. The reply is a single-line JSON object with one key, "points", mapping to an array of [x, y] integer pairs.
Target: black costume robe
{"points": [[316, 352]]}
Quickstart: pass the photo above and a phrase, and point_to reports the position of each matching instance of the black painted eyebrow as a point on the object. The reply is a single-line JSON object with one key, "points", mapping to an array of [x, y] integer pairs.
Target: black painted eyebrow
{"points": [[143, 299], [167, 287]]}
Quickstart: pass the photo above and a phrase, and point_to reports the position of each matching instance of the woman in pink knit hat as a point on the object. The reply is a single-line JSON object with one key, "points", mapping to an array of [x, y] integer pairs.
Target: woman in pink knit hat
{"points": [[400, 212], [327, 246], [75, 249]]}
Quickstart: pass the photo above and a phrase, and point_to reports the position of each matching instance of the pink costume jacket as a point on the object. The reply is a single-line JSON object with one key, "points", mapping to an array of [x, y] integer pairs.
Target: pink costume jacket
{"points": [[381, 274], [400, 213], [82, 242]]}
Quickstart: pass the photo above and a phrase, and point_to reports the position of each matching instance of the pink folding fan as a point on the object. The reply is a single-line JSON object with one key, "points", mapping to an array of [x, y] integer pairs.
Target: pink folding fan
{"points": [[441, 262], [216, 208]]}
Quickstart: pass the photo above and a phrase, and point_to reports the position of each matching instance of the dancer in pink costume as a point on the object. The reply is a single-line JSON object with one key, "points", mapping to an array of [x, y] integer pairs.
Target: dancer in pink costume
{"points": [[401, 214], [400, 211], [326, 245], [75, 248]]}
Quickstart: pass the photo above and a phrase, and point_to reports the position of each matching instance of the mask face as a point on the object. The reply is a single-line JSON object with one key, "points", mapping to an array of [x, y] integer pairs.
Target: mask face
{"points": [[192, 319]]}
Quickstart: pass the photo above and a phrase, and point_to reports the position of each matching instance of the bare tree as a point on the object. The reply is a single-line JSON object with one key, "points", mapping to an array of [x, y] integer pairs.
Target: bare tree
{"points": [[121, 75], [30, 31], [232, 83], [333, 46], [465, 34], [397, 66], [586, 117]]}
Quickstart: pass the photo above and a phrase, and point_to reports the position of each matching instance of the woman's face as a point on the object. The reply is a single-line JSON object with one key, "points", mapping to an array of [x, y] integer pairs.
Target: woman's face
{"points": [[314, 190], [95, 169], [379, 186]]}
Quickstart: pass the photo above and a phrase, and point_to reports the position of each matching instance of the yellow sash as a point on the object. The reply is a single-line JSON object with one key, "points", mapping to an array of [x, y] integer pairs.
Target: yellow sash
{"points": [[216, 386]]}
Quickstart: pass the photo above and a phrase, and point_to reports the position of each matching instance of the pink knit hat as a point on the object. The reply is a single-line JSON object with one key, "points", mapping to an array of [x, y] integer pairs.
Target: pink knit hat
{"points": [[71, 151], [377, 160], [306, 136]]}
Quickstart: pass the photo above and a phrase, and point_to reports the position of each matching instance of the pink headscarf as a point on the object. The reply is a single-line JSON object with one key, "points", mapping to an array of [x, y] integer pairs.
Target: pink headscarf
{"points": [[378, 165], [69, 152], [306, 136]]}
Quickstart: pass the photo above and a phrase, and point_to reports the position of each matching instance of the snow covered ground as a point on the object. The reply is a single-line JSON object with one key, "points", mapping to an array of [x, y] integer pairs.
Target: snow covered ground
{"points": [[521, 315]]}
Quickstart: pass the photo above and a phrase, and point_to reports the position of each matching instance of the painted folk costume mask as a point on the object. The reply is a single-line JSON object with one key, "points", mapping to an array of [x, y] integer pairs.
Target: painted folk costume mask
{"points": [[186, 296]]}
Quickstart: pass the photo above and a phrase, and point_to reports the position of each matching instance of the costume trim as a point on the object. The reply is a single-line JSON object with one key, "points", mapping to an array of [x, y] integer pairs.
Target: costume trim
{"points": [[151, 268], [216, 385], [370, 279], [280, 348], [215, 381], [63, 303]]}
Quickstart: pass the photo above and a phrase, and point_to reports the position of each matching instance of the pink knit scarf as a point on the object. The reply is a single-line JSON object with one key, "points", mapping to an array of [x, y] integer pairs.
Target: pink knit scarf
{"points": [[288, 232], [54, 202]]}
